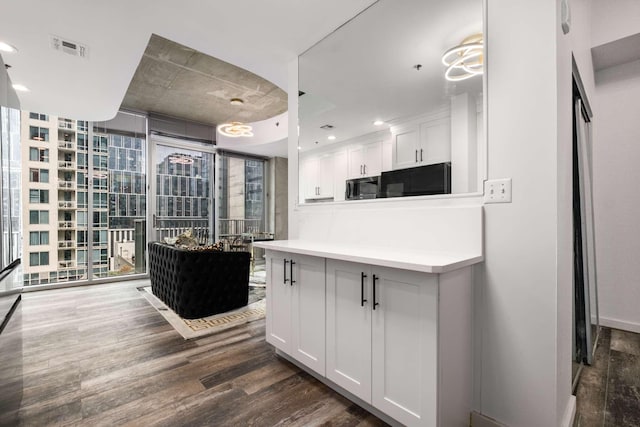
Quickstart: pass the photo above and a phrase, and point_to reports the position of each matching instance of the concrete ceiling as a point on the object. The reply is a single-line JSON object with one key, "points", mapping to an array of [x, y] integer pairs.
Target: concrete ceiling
{"points": [[178, 81]]}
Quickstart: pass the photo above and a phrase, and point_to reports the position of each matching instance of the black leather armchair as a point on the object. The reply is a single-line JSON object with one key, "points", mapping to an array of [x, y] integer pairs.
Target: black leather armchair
{"points": [[197, 284]]}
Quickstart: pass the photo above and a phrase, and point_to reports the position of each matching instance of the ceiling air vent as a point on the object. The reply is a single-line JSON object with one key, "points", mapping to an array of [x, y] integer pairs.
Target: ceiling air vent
{"points": [[69, 47], [326, 127]]}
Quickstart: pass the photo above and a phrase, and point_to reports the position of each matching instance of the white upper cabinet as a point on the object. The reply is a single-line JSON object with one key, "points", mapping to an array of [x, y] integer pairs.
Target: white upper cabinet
{"points": [[365, 159], [422, 142], [435, 142], [405, 149], [317, 180], [340, 174]]}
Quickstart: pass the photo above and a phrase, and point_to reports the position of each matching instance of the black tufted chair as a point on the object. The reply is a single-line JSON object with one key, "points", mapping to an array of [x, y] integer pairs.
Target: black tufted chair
{"points": [[197, 284]]}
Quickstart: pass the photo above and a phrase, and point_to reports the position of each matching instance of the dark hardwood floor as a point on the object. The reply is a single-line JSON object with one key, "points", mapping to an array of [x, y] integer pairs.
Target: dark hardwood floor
{"points": [[608, 392], [102, 355]]}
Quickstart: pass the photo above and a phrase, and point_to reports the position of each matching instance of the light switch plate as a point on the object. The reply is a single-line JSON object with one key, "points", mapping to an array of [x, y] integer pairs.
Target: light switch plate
{"points": [[497, 190]]}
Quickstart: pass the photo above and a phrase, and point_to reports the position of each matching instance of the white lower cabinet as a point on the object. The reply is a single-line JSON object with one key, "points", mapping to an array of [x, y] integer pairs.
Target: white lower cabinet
{"points": [[381, 331], [349, 327], [397, 339], [296, 307]]}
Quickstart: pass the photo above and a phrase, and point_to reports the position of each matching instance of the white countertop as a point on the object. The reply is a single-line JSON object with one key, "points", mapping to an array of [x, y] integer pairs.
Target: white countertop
{"points": [[427, 262]]}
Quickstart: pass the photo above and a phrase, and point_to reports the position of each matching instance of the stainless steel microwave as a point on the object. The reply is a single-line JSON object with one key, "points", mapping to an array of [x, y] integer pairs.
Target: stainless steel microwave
{"points": [[362, 188]]}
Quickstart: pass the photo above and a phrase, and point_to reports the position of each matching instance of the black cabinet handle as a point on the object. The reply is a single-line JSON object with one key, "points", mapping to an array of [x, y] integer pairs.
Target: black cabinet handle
{"points": [[375, 303], [362, 299], [361, 173], [285, 272], [291, 273], [416, 156], [421, 150]]}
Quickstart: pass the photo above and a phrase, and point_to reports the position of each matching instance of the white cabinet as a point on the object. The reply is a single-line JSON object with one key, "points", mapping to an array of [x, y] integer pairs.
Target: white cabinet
{"points": [[349, 327], [404, 347], [296, 307], [421, 144], [399, 340], [435, 141], [365, 159], [381, 336], [317, 177], [278, 302], [405, 149], [340, 174]]}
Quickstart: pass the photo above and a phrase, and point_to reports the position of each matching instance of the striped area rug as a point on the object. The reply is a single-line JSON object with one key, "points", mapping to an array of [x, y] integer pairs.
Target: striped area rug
{"points": [[196, 328]]}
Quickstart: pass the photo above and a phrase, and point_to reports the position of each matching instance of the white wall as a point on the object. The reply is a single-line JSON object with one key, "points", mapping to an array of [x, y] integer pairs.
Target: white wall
{"points": [[520, 302], [616, 152], [523, 289], [615, 19]]}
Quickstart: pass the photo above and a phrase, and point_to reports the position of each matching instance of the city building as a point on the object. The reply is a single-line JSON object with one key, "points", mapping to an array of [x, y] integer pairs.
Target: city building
{"points": [[72, 182], [539, 55]]}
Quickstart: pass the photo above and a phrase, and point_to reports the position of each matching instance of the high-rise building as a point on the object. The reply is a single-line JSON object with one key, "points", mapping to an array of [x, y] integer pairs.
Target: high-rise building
{"points": [[74, 186]]}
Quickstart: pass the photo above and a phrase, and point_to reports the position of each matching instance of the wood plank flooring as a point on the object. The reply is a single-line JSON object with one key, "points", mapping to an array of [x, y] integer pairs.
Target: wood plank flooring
{"points": [[608, 393], [101, 355]]}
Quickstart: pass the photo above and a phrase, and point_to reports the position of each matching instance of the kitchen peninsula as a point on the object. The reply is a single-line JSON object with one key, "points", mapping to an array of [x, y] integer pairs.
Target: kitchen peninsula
{"points": [[371, 322]]}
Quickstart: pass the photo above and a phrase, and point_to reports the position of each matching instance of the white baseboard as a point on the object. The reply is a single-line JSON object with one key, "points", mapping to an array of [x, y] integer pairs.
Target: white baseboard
{"points": [[569, 412], [479, 420], [620, 324]]}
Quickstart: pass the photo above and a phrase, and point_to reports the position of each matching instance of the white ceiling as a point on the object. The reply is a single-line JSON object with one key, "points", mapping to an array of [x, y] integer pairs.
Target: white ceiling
{"points": [[261, 36], [365, 70], [617, 52]]}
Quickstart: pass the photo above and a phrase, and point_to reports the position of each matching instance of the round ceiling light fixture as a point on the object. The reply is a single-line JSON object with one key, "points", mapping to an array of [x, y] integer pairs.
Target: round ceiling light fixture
{"points": [[378, 123], [465, 60], [236, 101], [180, 159], [235, 130]]}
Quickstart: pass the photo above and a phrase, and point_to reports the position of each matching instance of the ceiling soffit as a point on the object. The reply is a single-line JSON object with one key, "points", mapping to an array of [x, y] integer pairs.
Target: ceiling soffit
{"points": [[178, 81]]}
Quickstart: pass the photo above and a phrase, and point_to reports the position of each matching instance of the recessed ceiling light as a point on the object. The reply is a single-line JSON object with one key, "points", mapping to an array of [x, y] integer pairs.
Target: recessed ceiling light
{"points": [[378, 123], [6, 47], [331, 137], [21, 88], [236, 101], [299, 148]]}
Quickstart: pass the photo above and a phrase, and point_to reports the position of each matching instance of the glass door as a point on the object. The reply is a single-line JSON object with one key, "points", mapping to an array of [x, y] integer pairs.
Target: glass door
{"points": [[585, 289], [182, 189]]}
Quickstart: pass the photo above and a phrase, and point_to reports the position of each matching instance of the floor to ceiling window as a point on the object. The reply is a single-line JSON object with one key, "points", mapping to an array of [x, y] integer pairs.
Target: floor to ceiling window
{"points": [[241, 197], [11, 188], [86, 193], [183, 189]]}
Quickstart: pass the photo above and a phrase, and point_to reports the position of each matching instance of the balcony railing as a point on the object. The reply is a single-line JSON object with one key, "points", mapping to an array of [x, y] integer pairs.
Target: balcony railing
{"points": [[66, 264], [66, 205], [66, 165], [66, 244], [236, 227], [66, 224], [66, 145], [174, 226], [66, 185], [64, 124]]}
